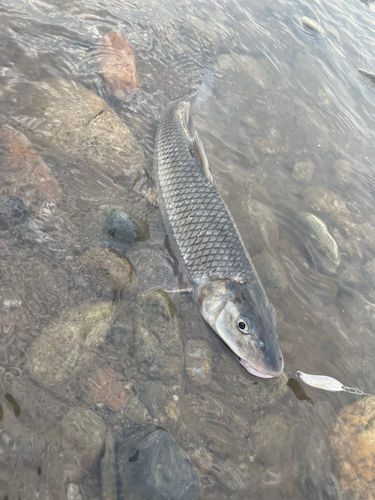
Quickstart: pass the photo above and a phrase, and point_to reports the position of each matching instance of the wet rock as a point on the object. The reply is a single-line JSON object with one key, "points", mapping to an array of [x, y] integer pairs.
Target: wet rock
{"points": [[201, 459], [104, 386], [118, 64], [321, 245], [367, 74], [152, 467], [69, 345], [237, 476], [325, 202], [135, 410], [109, 265], [267, 147], [343, 170], [271, 274], [273, 439], [303, 171], [263, 232], [79, 438], [124, 228], [24, 172], [68, 120], [158, 346], [353, 447], [311, 25], [12, 211], [198, 361]]}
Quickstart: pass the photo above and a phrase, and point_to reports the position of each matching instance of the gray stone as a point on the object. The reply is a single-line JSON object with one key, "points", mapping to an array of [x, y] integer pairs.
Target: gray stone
{"points": [[66, 119], [158, 346], [69, 345], [311, 25], [73, 492], [303, 171], [125, 228], [263, 232], [109, 265], [152, 467], [271, 274], [321, 245], [198, 361], [266, 147], [12, 211]]}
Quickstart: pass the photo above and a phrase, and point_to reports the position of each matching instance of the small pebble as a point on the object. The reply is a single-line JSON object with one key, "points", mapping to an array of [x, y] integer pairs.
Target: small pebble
{"points": [[311, 25], [124, 228], [303, 171], [198, 364], [267, 147]]}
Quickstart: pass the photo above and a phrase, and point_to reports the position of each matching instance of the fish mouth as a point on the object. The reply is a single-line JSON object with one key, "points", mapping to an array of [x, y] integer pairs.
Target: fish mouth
{"points": [[257, 373]]}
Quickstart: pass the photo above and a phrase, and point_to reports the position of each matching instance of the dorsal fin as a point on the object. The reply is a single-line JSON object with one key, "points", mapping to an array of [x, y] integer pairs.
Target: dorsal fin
{"points": [[197, 150]]}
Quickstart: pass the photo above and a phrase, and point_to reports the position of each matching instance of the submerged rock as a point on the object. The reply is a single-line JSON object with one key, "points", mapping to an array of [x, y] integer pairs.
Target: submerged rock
{"points": [[125, 228], [353, 446], [118, 64], [79, 439], [105, 387], [267, 147], [343, 170], [12, 211], [109, 265], [23, 172], [325, 202], [152, 467], [271, 274], [321, 245], [69, 345], [67, 120], [244, 65], [263, 232], [311, 25], [273, 439], [303, 171], [198, 361], [158, 346]]}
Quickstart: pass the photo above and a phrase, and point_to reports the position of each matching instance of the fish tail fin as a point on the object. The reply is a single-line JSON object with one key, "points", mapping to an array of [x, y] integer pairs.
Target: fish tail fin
{"points": [[204, 92]]}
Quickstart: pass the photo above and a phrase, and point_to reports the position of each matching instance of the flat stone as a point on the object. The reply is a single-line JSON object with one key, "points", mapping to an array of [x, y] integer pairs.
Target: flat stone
{"points": [[266, 147], [69, 345], [152, 467], [273, 438], [109, 265], [198, 361], [244, 65]]}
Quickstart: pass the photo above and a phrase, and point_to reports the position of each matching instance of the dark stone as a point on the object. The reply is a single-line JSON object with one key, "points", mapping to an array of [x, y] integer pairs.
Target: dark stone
{"points": [[122, 227], [12, 211], [152, 467]]}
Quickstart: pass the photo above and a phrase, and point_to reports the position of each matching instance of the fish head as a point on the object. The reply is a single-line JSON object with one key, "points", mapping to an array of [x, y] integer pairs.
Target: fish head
{"points": [[245, 320]]}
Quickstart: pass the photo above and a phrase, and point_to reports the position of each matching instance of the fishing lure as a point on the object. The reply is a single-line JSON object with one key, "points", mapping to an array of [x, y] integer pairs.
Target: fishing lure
{"points": [[326, 383]]}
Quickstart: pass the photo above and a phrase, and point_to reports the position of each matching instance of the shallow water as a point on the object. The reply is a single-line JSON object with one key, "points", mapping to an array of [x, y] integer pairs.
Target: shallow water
{"points": [[298, 90]]}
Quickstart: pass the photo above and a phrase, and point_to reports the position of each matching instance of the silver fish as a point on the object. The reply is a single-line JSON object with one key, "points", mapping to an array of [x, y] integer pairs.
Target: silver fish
{"points": [[209, 248]]}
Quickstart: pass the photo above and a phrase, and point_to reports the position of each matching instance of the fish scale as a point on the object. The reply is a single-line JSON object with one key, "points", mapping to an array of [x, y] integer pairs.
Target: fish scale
{"points": [[202, 229]]}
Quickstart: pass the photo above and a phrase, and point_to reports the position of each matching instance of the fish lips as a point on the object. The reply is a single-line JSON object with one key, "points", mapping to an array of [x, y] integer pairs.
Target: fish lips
{"points": [[257, 373]]}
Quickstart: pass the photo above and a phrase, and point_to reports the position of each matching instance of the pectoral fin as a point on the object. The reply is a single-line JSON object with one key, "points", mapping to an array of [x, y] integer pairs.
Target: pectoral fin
{"points": [[197, 150]]}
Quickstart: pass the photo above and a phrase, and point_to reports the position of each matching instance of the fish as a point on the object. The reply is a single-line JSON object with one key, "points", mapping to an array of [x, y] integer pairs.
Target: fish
{"points": [[208, 246]]}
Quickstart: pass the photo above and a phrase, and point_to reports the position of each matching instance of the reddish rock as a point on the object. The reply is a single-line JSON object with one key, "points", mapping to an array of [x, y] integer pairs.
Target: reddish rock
{"points": [[23, 172], [118, 64], [105, 387]]}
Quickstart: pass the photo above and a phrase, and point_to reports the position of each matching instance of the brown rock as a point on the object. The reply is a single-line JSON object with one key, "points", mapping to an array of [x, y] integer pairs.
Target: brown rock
{"points": [[118, 64], [325, 202], [23, 172], [343, 170], [110, 265], [104, 386], [303, 171], [353, 444]]}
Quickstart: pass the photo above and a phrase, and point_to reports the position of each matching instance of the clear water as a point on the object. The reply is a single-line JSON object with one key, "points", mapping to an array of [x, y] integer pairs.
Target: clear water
{"points": [[304, 95]]}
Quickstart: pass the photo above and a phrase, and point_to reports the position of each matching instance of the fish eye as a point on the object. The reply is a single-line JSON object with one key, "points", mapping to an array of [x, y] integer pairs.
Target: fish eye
{"points": [[244, 325]]}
